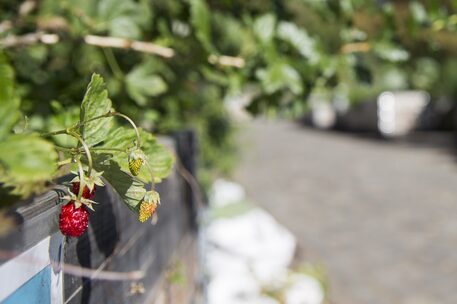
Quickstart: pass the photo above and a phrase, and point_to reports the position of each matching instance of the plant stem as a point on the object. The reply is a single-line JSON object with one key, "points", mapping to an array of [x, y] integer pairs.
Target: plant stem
{"points": [[76, 126], [112, 63], [86, 149], [59, 132], [138, 140], [64, 162], [64, 149], [107, 114], [108, 149], [70, 131], [81, 178]]}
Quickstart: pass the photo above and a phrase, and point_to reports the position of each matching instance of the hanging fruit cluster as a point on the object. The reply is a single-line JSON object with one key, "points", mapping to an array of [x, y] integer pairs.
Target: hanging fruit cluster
{"points": [[128, 158], [93, 146]]}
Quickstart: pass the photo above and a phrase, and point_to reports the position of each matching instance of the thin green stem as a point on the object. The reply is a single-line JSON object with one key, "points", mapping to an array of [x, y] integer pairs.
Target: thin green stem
{"points": [[138, 140], [63, 149], [107, 114], [112, 63], [81, 178], [86, 149], [108, 149], [59, 132], [79, 124], [71, 131], [64, 162], [76, 126]]}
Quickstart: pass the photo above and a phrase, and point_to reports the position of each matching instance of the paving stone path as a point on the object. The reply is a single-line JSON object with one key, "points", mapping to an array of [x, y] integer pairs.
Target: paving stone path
{"points": [[381, 217]]}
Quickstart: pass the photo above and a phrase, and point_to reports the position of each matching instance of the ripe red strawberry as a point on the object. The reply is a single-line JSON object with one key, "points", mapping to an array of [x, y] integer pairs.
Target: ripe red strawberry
{"points": [[86, 192], [73, 221]]}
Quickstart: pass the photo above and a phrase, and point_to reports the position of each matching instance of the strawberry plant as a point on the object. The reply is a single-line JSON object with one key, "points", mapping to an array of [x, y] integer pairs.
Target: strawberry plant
{"points": [[172, 64], [127, 157]]}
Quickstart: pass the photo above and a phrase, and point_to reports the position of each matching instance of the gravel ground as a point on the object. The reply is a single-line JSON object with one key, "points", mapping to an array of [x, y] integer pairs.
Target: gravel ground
{"points": [[380, 216]]}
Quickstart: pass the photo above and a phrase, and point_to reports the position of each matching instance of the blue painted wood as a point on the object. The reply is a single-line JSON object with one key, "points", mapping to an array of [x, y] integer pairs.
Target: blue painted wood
{"points": [[35, 291]]}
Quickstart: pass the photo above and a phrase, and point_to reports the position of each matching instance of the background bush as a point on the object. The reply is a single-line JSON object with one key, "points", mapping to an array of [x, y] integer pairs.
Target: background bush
{"points": [[283, 51]]}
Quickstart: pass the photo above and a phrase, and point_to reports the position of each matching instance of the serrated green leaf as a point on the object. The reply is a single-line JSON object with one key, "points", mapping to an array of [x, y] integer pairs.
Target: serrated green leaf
{"points": [[9, 109], [142, 84], [159, 160], [95, 103], [33, 159], [129, 188], [122, 138]]}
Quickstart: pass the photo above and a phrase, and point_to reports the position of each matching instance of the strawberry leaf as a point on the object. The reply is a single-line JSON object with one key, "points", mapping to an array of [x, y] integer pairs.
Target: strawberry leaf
{"points": [[130, 189], [95, 103], [31, 164], [159, 160]]}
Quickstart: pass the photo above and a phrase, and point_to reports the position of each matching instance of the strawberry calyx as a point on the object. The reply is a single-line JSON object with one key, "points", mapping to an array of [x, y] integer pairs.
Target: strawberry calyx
{"points": [[86, 191], [78, 202], [89, 181]]}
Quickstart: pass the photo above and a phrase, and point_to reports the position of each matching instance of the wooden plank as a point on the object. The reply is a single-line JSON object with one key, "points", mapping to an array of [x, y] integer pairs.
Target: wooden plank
{"points": [[36, 219]]}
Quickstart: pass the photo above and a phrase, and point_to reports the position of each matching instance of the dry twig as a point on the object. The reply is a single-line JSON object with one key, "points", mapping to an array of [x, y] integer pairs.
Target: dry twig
{"points": [[356, 47], [115, 42]]}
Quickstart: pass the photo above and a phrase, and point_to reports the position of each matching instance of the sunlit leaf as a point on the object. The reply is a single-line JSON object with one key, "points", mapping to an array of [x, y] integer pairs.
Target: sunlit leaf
{"points": [[27, 158], [95, 103], [159, 160], [130, 189]]}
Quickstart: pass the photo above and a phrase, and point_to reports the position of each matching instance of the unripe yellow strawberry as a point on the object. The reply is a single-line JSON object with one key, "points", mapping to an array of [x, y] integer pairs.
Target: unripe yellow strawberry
{"points": [[135, 162], [148, 205]]}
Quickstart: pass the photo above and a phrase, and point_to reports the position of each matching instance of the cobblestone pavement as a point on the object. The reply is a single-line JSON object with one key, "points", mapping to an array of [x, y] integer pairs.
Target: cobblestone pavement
{"points": [[381, 217]]}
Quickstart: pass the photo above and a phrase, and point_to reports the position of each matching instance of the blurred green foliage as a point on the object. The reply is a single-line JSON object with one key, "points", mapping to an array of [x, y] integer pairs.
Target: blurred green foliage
{"points": [[290, 48]]}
